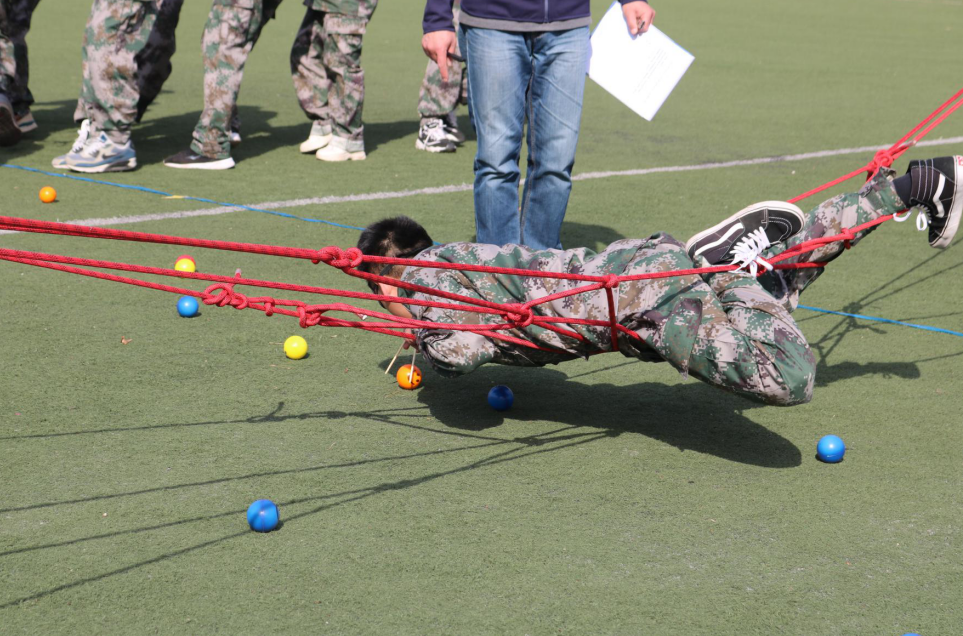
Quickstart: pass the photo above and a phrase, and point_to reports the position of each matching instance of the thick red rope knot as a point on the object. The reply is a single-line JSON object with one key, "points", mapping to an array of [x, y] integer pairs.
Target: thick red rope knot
{"points": [[227, 296], [308, 317], [341, 259], [611, 281], [519, 316], [882, 159]]}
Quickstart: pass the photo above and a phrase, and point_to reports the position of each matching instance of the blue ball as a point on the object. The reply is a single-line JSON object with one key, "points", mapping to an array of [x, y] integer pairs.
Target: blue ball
{"points": [[501, 398], [263, 516], [830, 449], [187, 306]]}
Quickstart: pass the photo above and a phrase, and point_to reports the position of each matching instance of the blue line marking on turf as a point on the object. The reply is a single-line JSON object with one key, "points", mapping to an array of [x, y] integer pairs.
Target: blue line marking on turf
{"points": [[187, 198], [886, 320], [361, 229]]}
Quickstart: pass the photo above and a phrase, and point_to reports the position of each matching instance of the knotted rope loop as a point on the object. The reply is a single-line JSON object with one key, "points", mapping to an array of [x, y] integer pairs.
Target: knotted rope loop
{"points": [[341, 259], [882, 159], [227, 296], [308, 317], [519, 316], [611, 281]]}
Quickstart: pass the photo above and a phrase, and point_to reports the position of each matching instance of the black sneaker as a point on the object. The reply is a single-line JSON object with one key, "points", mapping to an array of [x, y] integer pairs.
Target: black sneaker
{"points": [[779, 221], [938, 189], [431, 136], [10, 132], [450, 123], [192, 161]]}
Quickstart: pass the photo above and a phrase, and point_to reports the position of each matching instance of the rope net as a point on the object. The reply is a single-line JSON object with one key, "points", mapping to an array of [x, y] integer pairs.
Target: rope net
{"points": [[222, 291]]}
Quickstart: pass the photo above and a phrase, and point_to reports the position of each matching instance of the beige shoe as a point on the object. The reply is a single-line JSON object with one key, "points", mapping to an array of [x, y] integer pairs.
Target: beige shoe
{"points": [[317, 140], [336, 151]]}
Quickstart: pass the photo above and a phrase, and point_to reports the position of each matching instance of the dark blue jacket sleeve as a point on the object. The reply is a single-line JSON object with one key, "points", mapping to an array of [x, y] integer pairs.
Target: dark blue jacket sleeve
{"points": [[438, 16]]}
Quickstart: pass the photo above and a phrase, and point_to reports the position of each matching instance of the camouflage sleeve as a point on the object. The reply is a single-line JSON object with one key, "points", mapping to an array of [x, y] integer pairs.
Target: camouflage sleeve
{"points": [[454, 353]]}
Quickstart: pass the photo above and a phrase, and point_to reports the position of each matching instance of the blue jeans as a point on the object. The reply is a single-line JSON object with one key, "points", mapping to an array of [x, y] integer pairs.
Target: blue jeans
{"points": [[512, 76]]}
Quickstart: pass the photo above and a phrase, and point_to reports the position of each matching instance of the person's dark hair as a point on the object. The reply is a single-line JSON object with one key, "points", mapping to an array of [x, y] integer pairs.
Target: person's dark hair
{"points": [[398, 237]]}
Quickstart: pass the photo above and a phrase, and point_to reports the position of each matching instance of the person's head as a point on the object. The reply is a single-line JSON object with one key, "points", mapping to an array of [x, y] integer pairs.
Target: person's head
{"points": [[397, 237]]}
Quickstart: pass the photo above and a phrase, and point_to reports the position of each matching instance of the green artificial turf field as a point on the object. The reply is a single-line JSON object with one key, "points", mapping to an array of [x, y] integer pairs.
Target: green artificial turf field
{"points": [[614, 497]]}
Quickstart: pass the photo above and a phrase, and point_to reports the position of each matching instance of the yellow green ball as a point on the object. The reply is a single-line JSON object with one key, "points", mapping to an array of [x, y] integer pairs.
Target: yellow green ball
{"points": [[185, 265], [295, 347]]}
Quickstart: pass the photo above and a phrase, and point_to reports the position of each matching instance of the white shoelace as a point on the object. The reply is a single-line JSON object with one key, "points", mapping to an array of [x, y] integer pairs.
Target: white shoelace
{"points": [[93, 147], [747, 252], [922, 218], [82, 136]]}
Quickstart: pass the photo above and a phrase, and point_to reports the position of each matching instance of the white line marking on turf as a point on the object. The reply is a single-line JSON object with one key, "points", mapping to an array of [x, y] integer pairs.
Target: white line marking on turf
{"points": [[466, 187]]}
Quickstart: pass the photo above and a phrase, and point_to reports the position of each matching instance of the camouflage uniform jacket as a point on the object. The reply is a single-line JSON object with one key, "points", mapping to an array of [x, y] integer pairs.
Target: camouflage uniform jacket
{"points": [[666, 313]]}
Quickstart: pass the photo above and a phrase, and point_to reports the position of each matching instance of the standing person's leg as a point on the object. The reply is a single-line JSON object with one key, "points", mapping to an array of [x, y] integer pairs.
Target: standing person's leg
{"points": [[499, 72], [231, 31], [15, 95], [554, 113], [115, 34], [437, 101], [311, 82], [342, 57], [154, 60]]}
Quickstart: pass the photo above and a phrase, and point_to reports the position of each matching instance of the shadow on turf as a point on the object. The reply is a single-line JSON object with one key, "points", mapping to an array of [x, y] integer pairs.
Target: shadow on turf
{"points": [[156, 138]]}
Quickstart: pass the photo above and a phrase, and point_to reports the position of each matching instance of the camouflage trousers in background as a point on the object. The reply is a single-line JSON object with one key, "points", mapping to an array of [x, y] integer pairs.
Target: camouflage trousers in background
{"points": [[438, 97], [14, 68], [327, 73], [232, 29], [730, 330], [126, 60]]}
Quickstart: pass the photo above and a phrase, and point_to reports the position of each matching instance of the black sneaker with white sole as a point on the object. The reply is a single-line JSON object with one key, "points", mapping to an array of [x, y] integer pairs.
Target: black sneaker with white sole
{"points": [[190, 160], [432, 137], [937, 187], [778, 220]]}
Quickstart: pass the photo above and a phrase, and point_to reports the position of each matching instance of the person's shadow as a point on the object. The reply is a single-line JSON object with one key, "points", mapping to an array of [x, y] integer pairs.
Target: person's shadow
{"points": [[690, 416]]}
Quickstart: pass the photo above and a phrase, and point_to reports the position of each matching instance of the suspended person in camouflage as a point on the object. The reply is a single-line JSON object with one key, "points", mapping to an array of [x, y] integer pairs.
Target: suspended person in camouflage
{"points": [[731, 330], [438, 130], [15, 96], [328, 78], [233, 28], [126, 59]]}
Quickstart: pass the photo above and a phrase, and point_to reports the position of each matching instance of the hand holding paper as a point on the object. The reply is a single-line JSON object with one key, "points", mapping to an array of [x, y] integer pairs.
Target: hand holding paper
{"points": [[640, 71]]}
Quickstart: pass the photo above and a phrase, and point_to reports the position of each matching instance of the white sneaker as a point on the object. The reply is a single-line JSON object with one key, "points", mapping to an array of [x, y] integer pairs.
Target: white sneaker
{"points": [[102, 155], [337, 151], [82, 135], [317, 140]]}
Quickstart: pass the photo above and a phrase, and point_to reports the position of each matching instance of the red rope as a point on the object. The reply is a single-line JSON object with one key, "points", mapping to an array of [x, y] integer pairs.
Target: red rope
{"points": [[514, 316]]}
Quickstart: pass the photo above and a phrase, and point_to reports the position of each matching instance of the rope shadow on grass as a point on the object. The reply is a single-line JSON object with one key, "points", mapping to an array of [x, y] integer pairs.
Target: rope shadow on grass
{"points": [[351, 497]]}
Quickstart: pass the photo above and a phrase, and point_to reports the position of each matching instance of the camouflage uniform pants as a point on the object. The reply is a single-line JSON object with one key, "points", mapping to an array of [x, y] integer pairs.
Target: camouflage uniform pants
{"points": [[327, 73], [127, 49], [757, 350], [14, 68], [730, 330], [233, 28], [438, 97]]}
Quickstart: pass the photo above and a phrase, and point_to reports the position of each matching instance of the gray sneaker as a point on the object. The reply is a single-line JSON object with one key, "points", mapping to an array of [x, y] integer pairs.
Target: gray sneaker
{"points": [[100, 154], [82, 135]]}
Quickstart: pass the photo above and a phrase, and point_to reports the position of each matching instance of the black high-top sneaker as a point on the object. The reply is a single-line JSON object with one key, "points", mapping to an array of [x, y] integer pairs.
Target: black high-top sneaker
{"points": [[778, 220], [938, 189]]}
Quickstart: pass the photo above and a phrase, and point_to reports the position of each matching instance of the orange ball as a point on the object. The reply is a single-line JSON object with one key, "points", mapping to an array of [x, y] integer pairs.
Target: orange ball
{"points": [[408, 379], [48, 194]]}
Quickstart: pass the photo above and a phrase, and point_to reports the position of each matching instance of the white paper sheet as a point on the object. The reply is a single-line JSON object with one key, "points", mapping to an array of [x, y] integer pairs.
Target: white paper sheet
{"points": [[640, 71]]}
